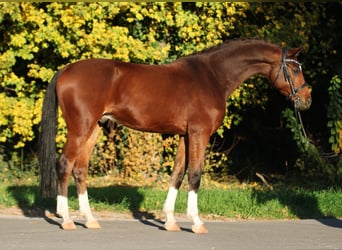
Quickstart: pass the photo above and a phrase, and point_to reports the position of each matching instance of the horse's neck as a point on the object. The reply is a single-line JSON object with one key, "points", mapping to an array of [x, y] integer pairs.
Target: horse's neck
{"points": [[235, 66]]}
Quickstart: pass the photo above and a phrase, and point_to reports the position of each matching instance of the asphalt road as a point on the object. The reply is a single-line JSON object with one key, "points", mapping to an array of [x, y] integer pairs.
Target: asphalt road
{"points": [[17, 232]]}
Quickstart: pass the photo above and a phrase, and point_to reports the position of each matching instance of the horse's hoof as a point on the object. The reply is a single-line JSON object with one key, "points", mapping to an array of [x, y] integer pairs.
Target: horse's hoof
{"points": [[92, 225], [172, 227], [68, 226], [199, 229]]}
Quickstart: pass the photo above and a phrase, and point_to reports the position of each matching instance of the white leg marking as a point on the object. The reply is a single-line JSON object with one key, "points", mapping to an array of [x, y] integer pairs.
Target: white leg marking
{"points": [[193, 209], [169, 205], [62, 208], [85, 207]]}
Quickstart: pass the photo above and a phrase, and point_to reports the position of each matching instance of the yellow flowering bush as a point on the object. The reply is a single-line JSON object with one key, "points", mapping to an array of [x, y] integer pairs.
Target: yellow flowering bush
{"points": [[43, 37]]}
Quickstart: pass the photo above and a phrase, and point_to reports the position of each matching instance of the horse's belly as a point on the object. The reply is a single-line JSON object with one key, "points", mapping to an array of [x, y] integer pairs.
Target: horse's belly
{"points": [[151, 121]]}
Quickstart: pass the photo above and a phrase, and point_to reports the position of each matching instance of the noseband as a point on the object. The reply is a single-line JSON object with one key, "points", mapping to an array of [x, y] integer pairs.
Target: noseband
{"points": [[287, 77]]}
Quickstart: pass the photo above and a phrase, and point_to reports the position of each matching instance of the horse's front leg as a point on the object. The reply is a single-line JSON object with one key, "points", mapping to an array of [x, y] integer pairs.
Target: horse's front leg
{"points": [[197, 147], [176, 181]]}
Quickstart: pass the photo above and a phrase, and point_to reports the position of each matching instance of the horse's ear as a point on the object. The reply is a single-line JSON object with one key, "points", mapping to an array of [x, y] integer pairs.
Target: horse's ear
{"points": [[294, 52]]}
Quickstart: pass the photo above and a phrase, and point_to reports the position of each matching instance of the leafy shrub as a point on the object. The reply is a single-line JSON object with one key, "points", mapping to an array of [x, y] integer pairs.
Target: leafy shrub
{"points": [[310, 160], [334, 113]]}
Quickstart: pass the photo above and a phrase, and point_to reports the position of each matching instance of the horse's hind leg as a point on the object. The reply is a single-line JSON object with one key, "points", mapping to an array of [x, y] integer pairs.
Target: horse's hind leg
{"points": [[74, 159], [80, 173], [176, 181], [64, 168]]}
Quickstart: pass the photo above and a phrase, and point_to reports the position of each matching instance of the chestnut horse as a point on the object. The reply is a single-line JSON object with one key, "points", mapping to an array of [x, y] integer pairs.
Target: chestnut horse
{"points": [[186, 97]]}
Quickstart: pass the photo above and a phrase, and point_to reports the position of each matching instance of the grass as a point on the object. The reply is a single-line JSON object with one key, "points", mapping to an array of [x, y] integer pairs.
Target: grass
{"points": [[225, 201]]}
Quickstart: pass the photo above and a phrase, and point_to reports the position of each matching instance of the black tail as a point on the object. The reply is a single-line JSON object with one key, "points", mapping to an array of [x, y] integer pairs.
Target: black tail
{"points": [[47, 142]]}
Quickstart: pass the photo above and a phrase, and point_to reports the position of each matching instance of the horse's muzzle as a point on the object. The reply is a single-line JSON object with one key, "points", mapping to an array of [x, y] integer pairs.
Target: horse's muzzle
{"points": [[301, 104]]}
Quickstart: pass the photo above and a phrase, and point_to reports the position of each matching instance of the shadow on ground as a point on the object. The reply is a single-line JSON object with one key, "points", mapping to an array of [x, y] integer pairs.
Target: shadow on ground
{"points": [[302, 204], [32, 205]]}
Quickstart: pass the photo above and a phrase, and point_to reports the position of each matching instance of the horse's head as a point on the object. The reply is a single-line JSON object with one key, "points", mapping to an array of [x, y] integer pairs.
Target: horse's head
{"points": [[288, 77]]}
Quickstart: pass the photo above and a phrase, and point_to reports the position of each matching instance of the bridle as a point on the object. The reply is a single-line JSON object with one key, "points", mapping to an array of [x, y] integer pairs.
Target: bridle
{"points": [[287, 77], [294, 91]]}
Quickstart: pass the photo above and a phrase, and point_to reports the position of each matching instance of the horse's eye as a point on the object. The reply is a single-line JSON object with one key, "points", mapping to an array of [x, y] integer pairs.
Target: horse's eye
{"points": [[295, 71]]}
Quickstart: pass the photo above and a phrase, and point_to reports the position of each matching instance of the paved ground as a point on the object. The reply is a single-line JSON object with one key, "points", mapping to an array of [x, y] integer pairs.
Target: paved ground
{"points": [[18, 232]]}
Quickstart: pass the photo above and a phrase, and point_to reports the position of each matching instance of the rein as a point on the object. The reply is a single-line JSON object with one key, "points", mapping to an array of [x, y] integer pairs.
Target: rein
{"points": [[294, 90]]}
